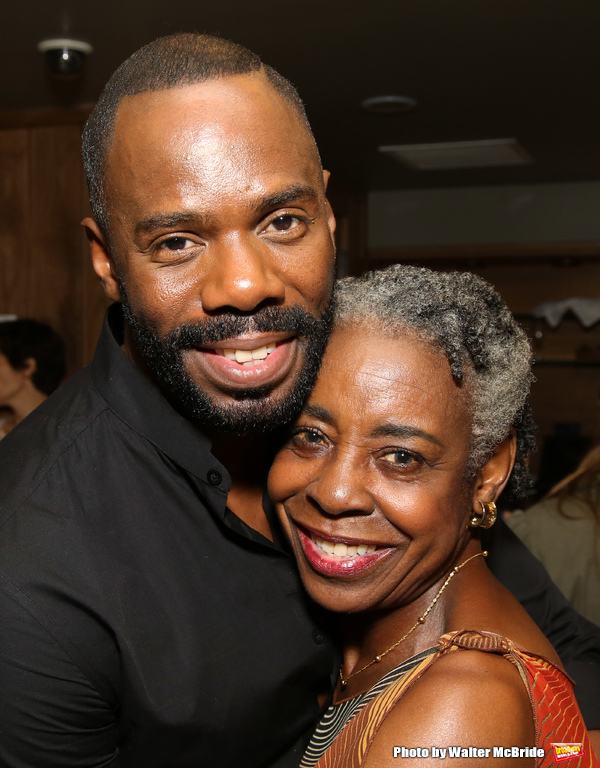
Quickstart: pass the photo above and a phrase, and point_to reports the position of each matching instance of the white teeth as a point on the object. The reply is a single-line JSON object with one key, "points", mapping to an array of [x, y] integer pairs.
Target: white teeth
{"points": [[327, 547], [259, 354], [243, 355], [344, 550], [247, 356]]}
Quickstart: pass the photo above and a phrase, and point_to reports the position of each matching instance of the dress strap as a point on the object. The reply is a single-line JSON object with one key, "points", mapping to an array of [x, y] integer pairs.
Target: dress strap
{"points": [[472, 640]]}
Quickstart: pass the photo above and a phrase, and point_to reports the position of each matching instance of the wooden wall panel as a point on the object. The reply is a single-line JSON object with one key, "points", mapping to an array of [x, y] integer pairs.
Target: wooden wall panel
{"points": [[15, 228], [57, 248], [45, 269]]}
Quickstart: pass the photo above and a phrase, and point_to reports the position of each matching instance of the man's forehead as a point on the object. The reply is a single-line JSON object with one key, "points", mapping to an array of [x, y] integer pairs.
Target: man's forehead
{"points": [[231, 99], [216, 129]]}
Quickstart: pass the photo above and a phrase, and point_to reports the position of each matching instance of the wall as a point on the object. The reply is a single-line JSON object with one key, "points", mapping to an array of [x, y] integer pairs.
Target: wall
{"points": [[45, 270], [525, 213]]}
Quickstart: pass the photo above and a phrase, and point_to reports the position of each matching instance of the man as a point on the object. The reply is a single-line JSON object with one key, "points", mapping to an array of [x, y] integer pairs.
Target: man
{"points": [[151, 615]]}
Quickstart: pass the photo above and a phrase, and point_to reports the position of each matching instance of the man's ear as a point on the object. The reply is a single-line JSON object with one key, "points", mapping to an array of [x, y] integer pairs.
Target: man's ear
{"points": [[494, 474], [330, 217], [101, 259]]}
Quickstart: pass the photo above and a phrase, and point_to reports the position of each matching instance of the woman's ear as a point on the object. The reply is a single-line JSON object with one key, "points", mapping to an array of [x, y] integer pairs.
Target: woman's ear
{"points": [[29, 366], [494, 474]]}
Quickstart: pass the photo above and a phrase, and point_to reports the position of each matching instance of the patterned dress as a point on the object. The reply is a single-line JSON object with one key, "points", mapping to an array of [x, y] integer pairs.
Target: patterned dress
{"points": [[347, 730]]}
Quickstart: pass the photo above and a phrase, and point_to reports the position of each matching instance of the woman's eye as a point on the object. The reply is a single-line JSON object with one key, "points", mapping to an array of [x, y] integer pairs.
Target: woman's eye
{"points": [[308, 437], [400, 458]]}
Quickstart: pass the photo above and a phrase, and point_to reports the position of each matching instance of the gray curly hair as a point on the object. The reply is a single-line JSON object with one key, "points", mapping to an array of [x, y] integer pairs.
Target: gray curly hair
{"points": [[466, 318]]}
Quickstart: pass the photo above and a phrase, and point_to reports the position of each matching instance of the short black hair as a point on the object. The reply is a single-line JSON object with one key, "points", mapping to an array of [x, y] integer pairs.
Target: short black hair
{"points": [[21, 340], [168, 62]]}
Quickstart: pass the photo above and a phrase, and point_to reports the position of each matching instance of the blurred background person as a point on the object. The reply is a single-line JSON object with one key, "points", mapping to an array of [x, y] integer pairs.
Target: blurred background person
{"points": [[32, 365], [563, 531]]}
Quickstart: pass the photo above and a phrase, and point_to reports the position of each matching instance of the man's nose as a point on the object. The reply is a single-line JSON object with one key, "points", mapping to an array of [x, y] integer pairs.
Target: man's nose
{"points": [[242, 273], [342, 488]]}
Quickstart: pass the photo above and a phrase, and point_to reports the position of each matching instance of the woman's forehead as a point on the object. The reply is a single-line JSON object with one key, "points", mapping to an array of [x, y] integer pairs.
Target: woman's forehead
{"points": [[369, 374]]}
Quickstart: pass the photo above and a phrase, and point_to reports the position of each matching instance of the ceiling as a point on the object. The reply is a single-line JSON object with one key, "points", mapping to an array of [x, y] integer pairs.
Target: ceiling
{"points": [[478, 69]]}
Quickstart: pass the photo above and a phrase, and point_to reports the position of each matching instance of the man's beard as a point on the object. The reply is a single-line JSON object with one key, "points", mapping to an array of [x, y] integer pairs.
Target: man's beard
{"points": [[249, 410]]}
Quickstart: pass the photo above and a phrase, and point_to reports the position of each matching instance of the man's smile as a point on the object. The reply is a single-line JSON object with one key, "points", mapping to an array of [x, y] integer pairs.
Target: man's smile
{"points": [[246, 363]]}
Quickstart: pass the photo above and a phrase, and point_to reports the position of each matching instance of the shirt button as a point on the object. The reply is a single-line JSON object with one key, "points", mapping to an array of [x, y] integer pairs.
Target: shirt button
{"points": [[214, 477], [318, 636]]}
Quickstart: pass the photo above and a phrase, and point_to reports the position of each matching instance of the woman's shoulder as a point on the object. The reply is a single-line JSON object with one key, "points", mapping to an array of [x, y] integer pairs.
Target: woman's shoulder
{"points": [[465, 699]]}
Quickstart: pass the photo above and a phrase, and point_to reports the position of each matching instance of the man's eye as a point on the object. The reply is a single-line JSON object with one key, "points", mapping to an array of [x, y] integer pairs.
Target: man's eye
{"points": [[176, 243], [284, 223], [400, 458]]}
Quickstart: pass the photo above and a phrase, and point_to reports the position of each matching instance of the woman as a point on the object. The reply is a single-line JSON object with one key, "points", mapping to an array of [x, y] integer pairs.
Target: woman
{"points": [[416, 425], [32, 364], [563, 531]]}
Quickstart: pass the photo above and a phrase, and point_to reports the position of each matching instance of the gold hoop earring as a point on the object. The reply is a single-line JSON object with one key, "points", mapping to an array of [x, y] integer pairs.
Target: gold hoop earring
{"points": [[487, 518]]}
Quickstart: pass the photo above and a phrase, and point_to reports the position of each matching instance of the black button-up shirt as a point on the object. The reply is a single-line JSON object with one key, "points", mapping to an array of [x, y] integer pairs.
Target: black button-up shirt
{"points": [[142, 622]]}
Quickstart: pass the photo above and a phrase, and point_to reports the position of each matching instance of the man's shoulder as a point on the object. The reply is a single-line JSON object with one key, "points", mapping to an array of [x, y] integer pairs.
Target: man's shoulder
{"points": [[48, 436]]}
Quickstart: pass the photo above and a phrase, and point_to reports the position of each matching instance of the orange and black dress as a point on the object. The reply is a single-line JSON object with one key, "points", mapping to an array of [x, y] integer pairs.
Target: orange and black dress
{"points": [[347, 730]]}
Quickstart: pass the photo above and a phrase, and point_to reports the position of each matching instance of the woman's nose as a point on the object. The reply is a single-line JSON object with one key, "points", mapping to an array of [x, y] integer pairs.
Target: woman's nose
{"points": [[341, 488], [242, 274]]}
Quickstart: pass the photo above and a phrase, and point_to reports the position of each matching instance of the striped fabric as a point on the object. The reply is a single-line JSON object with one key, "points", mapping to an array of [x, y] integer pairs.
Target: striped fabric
{"points": [[337, 715], [556, 714]]}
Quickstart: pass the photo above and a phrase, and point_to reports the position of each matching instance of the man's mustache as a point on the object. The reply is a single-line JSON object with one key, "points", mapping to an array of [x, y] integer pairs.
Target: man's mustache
{"points": [[213, 330]]}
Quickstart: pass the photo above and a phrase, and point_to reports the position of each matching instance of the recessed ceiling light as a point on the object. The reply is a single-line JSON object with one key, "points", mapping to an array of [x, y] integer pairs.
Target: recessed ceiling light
{"points": [[484, 153], [388, 105]]}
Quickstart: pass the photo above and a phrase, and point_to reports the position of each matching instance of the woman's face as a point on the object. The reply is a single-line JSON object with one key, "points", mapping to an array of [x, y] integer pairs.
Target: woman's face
{"points": [[11, 381], [371, 486]]}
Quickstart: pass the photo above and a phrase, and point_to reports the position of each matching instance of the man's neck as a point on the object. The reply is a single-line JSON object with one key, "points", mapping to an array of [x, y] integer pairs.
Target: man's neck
{"points": [[248, 460]]}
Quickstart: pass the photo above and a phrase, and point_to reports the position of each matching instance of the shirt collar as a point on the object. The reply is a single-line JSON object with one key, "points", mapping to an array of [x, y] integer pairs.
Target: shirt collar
{"points": [[139, 403]]}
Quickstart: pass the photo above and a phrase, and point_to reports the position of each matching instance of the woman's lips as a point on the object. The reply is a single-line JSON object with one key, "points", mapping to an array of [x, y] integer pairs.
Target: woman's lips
{"points": [[250, 364], [341, 559]]}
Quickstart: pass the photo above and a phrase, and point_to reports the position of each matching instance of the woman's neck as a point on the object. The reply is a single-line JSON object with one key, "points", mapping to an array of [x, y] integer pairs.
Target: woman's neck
{"points": [[25, 401], [398, 634], [377, 635]]}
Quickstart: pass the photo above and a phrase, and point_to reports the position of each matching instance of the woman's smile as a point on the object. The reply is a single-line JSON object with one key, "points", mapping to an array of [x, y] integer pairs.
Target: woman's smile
{"points": [[337, 557]]}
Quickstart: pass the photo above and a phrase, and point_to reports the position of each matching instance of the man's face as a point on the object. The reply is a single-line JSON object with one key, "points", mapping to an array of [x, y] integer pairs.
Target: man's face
{"points": [[221, 249]]}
